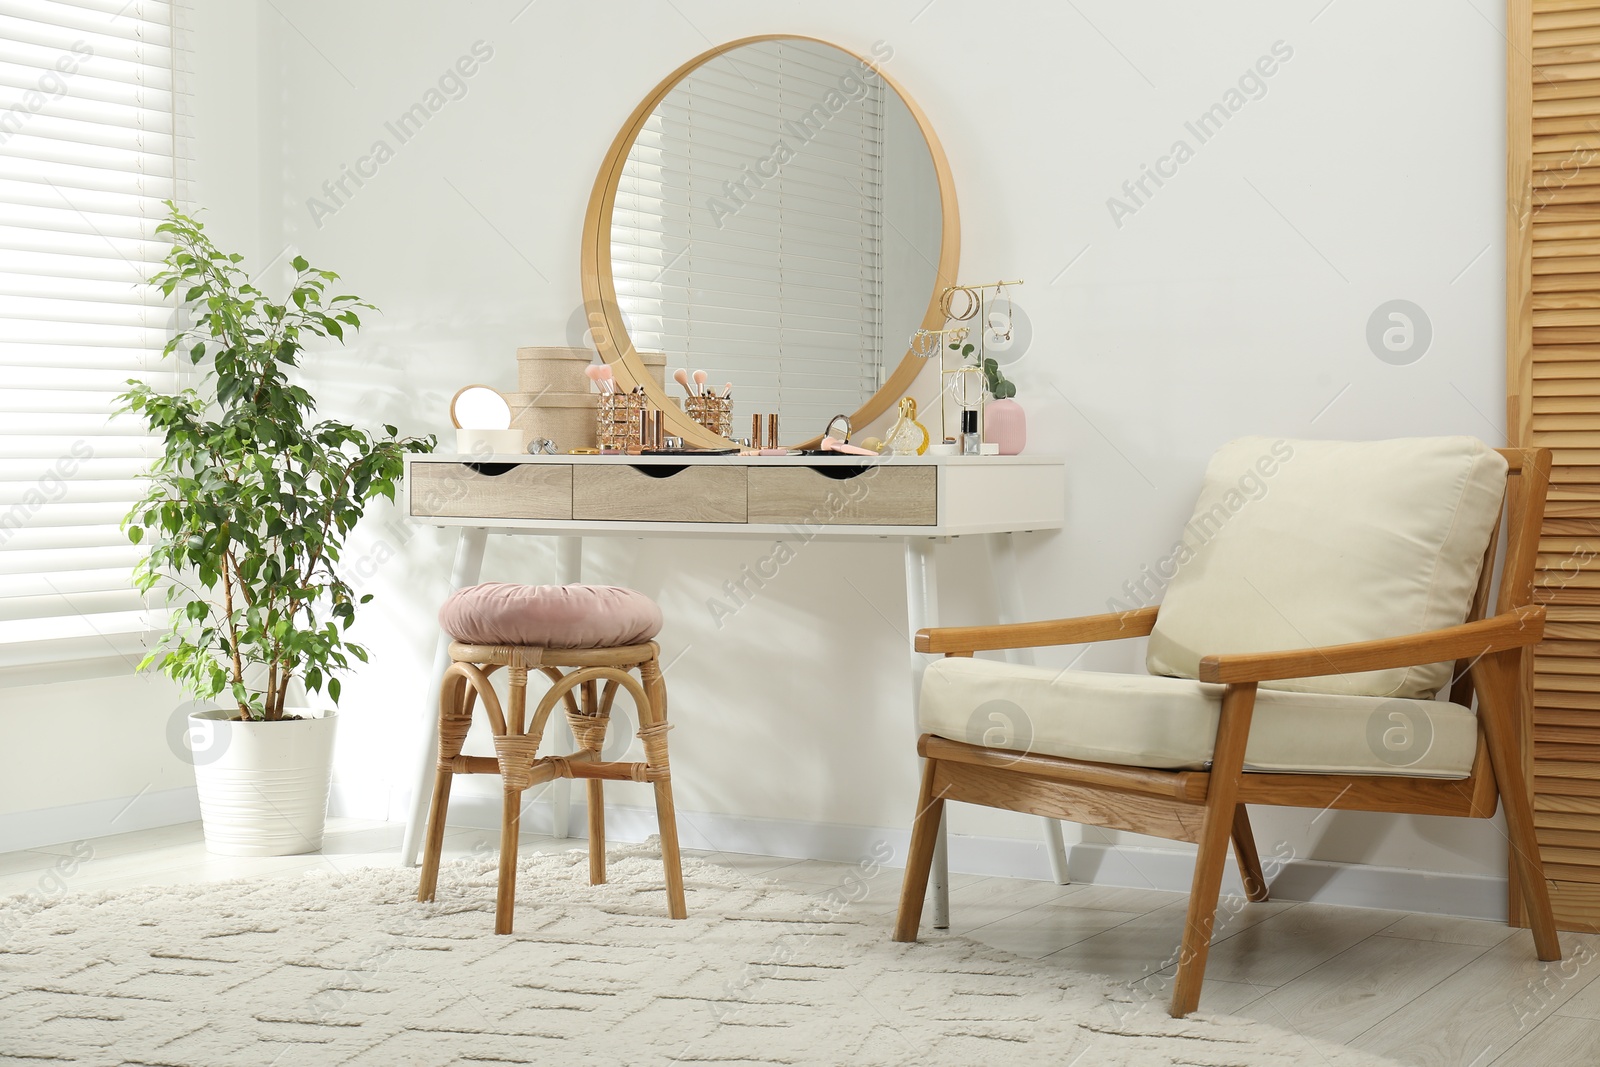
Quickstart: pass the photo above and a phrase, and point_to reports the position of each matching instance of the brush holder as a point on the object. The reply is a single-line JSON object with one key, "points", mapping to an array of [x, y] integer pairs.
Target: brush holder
{"points": [[618, 419], [715, 413]]}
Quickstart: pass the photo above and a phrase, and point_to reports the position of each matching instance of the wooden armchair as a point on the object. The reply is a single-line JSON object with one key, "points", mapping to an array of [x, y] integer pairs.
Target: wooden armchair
{"points": [[1199, 794]]}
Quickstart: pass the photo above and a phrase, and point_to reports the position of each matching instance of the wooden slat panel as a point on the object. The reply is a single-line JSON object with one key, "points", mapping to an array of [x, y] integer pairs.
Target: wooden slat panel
{"points": [[1553, 399], [1569, 316], [1567, 683], [1584, 297], [1566, 665], [1549, 802], [1565, 405], [1567, 717], [1565, 837], [1564, 785], [1566, 265], [1586, 107], [1566, 593], [1550, 17], [1544, 89], [1565, 56], [1563, 37]]}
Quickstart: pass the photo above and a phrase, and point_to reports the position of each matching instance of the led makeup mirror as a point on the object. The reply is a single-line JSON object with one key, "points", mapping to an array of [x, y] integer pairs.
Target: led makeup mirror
{"points": [[482, 418]]}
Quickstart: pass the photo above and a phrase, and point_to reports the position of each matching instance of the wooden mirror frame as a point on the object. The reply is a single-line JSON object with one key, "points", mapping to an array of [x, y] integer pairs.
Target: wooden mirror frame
{"points": [[604, 315]]}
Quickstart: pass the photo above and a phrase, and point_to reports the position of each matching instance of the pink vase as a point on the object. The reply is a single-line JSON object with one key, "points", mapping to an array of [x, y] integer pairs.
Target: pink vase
{"points": [[1005, 424]]}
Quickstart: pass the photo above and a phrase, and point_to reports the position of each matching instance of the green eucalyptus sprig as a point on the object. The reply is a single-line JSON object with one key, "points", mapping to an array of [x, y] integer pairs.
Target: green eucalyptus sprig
{"points": [[251, 499], [999, 386]]}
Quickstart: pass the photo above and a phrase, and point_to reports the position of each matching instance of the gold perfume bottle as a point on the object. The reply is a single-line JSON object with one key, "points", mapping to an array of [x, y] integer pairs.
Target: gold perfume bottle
{"points": [[907, 437]]}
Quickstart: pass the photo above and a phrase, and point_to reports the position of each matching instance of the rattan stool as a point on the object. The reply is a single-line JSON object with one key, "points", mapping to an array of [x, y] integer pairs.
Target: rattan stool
{"points": [[586, 682]]}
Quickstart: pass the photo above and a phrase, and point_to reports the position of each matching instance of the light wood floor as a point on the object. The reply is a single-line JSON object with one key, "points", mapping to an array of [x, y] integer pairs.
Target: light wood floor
{"points": [[1419, 989]]}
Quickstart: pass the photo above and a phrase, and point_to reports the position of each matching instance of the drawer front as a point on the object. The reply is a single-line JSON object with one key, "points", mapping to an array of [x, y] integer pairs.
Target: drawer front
{"points": [[671, 493], [491, 490], [877, 496]]}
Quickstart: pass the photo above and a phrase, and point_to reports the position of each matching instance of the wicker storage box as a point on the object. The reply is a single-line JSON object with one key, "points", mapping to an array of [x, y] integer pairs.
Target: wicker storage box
{"points": [[560, 370], [567, 418]]}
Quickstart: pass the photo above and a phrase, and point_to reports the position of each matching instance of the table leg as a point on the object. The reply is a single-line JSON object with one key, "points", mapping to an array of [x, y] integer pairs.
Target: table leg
{"points": [[922, 610], [1007, 581], [468, 565], [569, 571]]}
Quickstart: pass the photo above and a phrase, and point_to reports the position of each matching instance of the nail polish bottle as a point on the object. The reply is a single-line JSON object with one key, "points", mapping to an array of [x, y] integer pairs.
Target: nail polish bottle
{"points": [[971, 445]]}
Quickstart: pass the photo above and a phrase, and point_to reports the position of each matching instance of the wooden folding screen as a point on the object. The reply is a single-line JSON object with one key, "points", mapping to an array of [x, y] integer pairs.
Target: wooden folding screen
{"points": [[1553, 400]]}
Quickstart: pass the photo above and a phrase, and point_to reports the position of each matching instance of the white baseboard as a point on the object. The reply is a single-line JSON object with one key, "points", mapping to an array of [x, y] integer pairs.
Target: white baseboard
{"points": [[1350, 885], [97, 818]]}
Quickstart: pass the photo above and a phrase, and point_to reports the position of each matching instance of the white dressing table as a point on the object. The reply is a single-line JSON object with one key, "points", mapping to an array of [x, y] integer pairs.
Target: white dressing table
{"points": [[915, 499]]}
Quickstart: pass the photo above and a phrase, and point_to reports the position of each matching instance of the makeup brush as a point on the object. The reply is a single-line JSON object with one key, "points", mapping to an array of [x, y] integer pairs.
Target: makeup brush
{"points": [[681, 376], [597, 376], [727, 390], [700, 377]]}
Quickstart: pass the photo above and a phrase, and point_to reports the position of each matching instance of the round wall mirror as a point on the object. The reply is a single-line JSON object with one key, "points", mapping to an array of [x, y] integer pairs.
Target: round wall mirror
{"points": [[778, 214]]}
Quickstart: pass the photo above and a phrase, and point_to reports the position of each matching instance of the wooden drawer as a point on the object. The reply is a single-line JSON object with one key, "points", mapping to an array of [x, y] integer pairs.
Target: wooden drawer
{"points": [[492, 490], [835, 495], [658, 492]]}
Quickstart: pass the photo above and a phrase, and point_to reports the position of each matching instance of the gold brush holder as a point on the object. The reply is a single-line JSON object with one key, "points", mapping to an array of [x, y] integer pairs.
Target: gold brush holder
{"points": [[618, 419], [715, 413]]}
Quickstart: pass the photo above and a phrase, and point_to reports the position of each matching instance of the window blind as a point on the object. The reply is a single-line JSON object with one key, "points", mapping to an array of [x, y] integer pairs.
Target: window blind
{"points": [[87, 156], [747, 233]]}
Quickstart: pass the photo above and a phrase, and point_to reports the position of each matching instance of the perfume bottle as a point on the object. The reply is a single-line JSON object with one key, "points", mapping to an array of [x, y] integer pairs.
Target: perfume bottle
{"points": [[907, 437]]}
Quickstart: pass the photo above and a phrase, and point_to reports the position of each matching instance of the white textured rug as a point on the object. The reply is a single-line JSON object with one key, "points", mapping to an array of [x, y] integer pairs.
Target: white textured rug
{"points": [[351, 970]]}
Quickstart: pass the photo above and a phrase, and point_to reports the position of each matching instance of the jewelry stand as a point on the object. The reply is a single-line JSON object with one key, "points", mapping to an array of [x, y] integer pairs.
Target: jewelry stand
{"points": [[956, 383]]}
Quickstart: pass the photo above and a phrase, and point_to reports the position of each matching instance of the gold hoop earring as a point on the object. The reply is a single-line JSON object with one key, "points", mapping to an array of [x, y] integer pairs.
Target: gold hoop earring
{"points": [[968, 309]]}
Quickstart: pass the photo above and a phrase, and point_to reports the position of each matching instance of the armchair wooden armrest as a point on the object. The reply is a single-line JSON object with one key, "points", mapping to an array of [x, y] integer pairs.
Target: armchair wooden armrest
{"points": [[1517, 628], [964, 640]]}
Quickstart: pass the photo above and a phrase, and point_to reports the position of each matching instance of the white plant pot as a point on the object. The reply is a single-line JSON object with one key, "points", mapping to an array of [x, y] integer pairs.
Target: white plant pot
{"points": [[263, 785]]}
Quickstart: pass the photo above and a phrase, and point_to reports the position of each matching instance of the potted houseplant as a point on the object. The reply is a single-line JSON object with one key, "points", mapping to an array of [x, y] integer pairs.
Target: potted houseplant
{"points": [[247, 508]]}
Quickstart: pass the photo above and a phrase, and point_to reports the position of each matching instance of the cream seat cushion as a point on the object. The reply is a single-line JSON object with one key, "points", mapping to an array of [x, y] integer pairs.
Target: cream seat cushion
{"points": [[1146, 721], [1298, 544]]}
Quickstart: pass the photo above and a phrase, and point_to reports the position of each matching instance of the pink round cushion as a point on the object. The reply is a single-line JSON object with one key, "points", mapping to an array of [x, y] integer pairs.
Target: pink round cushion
{"points": [[550, 616]]}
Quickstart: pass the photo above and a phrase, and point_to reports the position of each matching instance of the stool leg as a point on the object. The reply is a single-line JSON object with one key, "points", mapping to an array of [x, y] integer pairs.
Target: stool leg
{"points": [[589, 732], [510, 826], [455, 716], [597, 831], [516, 751], [654, 735], [433, 844]]}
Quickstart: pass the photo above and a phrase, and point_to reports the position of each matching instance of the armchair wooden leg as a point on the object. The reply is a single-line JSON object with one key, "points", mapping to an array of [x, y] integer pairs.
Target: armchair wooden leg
{"points": [[1227, 767], [919, 862], [1244, 850], [1499, 678], [510, 826]]}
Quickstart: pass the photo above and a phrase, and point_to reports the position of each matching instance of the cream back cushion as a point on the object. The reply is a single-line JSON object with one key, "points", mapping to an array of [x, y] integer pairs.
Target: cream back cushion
{"points": [[1297, 544]]}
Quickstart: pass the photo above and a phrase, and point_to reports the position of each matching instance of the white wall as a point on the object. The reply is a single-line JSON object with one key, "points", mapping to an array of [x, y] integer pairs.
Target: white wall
{"points": [[1234, 301]]}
